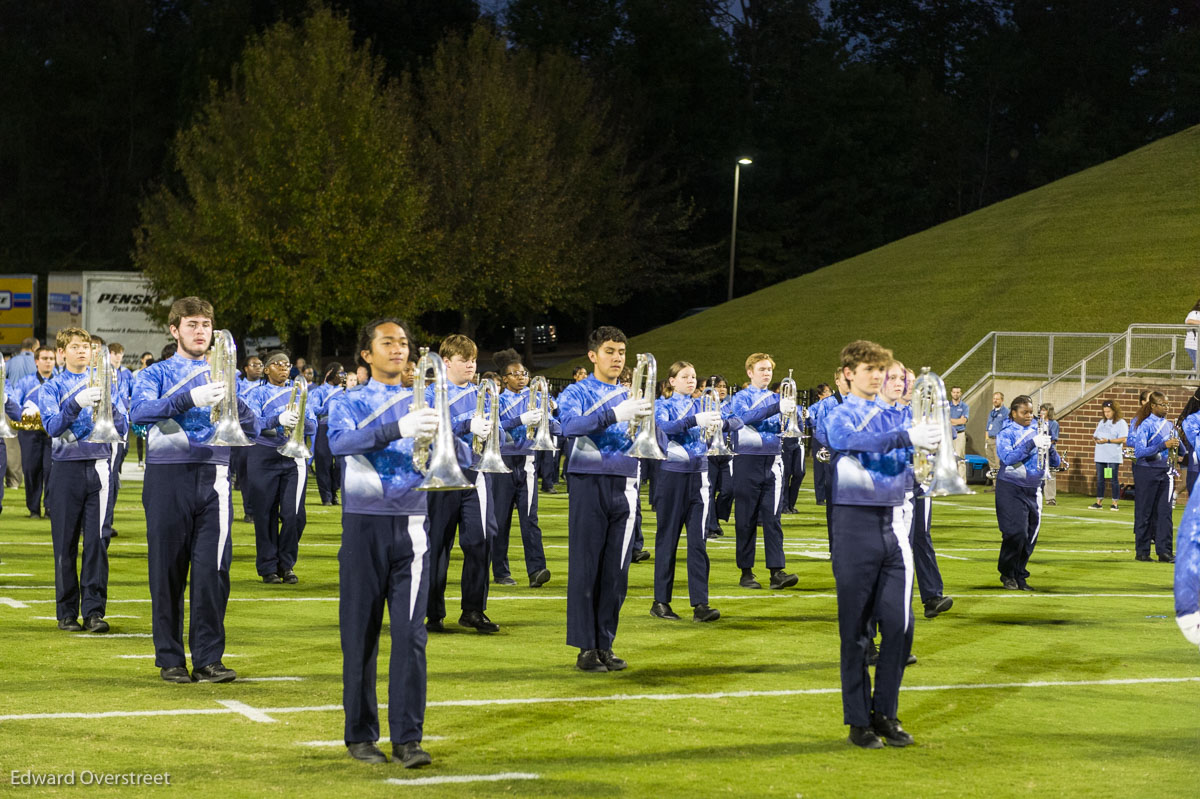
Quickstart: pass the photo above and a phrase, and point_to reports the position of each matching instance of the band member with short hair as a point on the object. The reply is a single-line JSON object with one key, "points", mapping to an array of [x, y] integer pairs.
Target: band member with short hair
{"points": [[79, 490], [822, 478], [325, 466], [758, 473], [13, 411], [1019, 491], [518, 491], [720, 475], [187, 499], [251, 378], [123, 390], [35, 444], [595, 413], [468, 512], [384, 556], [683, 492], [277, 482], [872, 559], [1152, 439]]}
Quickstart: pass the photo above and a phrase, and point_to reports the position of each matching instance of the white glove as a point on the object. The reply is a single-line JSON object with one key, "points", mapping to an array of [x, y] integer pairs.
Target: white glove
{"points": [[787, 405], [207, 394], [531, 416], [422, 423], [481, 426], [707, 418], [926, 436], [1189, 624], [633, 409], [1042, 441], [288, 418], [89, 396]]}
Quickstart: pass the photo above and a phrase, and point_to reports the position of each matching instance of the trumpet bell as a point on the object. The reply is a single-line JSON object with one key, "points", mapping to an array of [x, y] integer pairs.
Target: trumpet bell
{"points": [[104, 432], [947, 481], [227, 432], [293, 450], [544, 442], [442, 472], [492, 463], [719, 448], [645, 445]]}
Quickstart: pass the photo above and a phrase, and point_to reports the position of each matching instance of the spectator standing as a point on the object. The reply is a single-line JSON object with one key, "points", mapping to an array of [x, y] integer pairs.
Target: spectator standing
{"points": [[1050, 490], [997, 418], [23, 363], [1110, 435], [958, 420], [1189, 342]]}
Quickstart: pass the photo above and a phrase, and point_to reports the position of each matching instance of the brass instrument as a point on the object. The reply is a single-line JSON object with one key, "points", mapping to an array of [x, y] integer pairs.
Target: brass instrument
{"points": [[488, 447], [436, 456], [295, 446], [645, 432], [100, 374], [6, 430], [227, 427], [1043, 453], [791, 427], [710, 400], [29, 422], [1173, 452], [936, 472], [540, 399]]}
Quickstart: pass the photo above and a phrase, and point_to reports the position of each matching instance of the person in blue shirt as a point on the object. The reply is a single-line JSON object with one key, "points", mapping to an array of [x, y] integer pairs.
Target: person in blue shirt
{"points": [[872, 449], [1019, 491], [36, 462], [822, 479], [1189, 423], [13, 411], [277, 482], [124, 390], [24, 363], [325, 466], [517, 491], [384, 558], [1050, 484], [997, 418], [1110, 435], [252, 377], [595, 414], [720, 475], [959, 413], [758, 473], [79, 484], [683, 492], [1187, 572], [186, 496], [1152, 439], [467, 512]]}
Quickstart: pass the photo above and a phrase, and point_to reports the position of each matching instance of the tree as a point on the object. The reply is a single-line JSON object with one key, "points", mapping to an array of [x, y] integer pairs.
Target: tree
{"points": [[294, 201]]}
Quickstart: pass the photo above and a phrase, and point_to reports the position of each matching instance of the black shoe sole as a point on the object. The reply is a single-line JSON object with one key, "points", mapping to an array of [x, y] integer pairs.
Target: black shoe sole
{"points": [[787, 582]]}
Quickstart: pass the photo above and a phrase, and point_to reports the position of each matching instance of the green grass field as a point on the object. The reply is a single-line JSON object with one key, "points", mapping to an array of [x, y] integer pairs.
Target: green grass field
{"points": [[1009, 698], [1092, 252]]}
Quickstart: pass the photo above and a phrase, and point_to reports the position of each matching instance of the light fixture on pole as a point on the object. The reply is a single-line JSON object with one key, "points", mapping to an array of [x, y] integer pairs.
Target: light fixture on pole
{"points": [[737, 174]]}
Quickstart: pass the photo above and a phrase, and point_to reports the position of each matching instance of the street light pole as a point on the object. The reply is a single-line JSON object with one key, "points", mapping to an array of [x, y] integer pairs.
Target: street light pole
{"points": [[737, 174]]}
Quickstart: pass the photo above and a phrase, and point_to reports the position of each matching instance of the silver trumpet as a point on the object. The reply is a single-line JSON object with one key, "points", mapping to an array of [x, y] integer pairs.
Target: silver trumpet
{"points": [[100, 375], [295, 446], [539, 398], [6, 430], [710, 400], [937, 472], [436, 456], [791, 427], [644, 432], [227, 427], [488, 448], [1043, 453]]}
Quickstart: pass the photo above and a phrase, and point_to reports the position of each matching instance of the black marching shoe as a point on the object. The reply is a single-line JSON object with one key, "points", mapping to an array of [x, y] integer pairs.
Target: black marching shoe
{"points": [[539, 578], [1144, 558], [476, 619], [640, 555], [70, 625], [589, 660], [411, 755], [1024, 586], [214, 672], [748, 580], [938, 605], [366, 751], [661, 610], [434, 626], [705, 613], [864, 737], [289, 577], [1009, 583], [890, 730], [781, 579], [1166, 558], [177, 674], [912, 660], [611, 661], [95, 624], [273, 579], [506, 580]]}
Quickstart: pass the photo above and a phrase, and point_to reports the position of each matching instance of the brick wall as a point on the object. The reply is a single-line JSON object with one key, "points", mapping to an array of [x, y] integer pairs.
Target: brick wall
{"points": [[1075, 433]]}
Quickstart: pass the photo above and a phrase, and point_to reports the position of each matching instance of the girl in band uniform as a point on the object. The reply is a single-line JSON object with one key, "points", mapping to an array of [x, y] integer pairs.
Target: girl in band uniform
{"points": [[1019, 491]]}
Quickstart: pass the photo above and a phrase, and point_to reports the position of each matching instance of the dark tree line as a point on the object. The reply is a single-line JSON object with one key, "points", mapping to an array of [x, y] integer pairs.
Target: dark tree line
{"points": [[868, 119]]}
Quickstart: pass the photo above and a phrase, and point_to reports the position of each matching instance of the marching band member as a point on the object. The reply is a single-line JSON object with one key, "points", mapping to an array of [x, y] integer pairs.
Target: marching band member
{"points": [[758, 473], [123, 390], [1189, 423], [35, 444], [13, 411], [822, 477], [683, 493], [186, 495], [872, 559], [468, 512], [720, 475], [384, 557], [325, 465], [251, 378], [517, 491], [1152, 438], [1050, 485], [1019, 491], [79, 489], [276, 482], [595, 413], [1187, 572]]}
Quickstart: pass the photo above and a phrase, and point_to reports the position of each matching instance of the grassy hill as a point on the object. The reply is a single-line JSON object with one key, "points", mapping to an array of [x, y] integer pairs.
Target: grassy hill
{"points": [[1093, 252]]}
